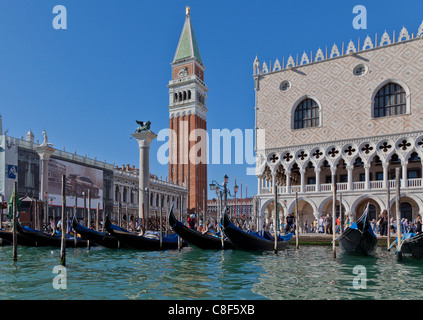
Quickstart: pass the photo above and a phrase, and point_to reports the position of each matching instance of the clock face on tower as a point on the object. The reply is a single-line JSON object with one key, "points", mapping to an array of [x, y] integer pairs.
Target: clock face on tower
{"points": [[183, 72]]}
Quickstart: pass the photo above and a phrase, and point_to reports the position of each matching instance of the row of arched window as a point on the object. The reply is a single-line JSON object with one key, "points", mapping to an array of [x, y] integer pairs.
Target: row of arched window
{"points": [[182, 96], [154, 198], [186, 95], [389, 100]]}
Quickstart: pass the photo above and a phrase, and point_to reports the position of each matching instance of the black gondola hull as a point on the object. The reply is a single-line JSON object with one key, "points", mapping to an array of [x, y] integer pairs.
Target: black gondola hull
{"points": [[245, 241], [353, 241], [7, 236], [195, 238], [42, 239], [139, 242], [100, 238], [412, 247]]}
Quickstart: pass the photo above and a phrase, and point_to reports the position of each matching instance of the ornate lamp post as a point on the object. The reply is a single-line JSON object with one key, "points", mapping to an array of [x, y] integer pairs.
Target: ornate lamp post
{"points": [[221, 189], [235, 192]]}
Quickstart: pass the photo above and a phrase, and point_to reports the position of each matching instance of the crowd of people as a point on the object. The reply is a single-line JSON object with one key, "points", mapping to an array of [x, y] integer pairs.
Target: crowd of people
{"points": [[381, 226]]}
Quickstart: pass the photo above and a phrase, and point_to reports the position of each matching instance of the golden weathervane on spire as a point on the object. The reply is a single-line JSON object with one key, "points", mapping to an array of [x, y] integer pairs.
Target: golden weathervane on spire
{"points": [[187, 10]]}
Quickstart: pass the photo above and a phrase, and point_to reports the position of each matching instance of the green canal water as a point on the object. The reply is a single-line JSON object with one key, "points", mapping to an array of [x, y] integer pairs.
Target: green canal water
{"points": [[309, 273]]}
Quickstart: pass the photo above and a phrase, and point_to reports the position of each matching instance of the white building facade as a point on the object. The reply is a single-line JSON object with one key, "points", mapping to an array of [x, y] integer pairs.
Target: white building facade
{"points": [[161, 195], [351, 116]]}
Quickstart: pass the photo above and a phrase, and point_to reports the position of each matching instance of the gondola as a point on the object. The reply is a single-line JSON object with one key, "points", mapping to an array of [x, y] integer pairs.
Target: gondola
{"points": [[100, 238], [7, 237], [136, 241], [42, 239], [250, 240], [196, 238], [359, 238], [411, 246]]}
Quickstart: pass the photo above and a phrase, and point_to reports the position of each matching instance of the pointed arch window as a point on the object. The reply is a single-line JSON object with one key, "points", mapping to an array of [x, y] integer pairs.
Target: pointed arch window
{"points": [[307, 114], [390, 100]]}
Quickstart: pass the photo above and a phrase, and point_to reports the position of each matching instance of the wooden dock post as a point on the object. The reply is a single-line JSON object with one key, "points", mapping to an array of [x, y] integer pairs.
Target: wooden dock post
{"points": [[85, 210], [160, 229], [104, 217], [97, 218], [275, 218], [180, 219], [75, 207], [14, 220], [333, 216], [297, 218], [89, 209], [63, 242], [397, 206], [388, 191]]}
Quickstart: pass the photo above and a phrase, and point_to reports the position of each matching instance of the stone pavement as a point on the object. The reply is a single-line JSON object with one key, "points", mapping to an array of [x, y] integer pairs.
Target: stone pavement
{"points": [[326, 239]]}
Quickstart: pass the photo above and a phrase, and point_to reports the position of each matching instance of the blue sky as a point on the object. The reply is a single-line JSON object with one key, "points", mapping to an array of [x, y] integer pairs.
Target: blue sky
{"points": [[86, 85]]}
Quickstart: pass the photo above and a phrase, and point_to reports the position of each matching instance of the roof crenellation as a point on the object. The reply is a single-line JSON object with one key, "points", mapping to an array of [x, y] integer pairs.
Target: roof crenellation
{"points": [[351, 48]]}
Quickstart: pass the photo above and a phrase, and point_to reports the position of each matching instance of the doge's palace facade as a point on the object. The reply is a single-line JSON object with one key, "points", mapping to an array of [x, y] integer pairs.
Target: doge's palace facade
{"points": [[349, 114]]}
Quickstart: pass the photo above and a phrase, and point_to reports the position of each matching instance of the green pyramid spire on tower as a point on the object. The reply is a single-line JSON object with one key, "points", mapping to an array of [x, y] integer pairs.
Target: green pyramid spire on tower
{"points": [[187, 46]]}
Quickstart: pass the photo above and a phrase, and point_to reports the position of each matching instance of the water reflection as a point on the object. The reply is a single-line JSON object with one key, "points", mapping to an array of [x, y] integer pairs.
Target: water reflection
{"points": [[192, 273], [311, 273]]}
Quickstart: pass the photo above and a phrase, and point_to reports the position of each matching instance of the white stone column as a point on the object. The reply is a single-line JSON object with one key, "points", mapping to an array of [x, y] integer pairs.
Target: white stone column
{"points": [[317, 172], [350, 184], [367, 176], [44, 152], [288, 181], [144, 140], [333, 175], [404, 174], [260, 183], [302, 185], [385, 175]]}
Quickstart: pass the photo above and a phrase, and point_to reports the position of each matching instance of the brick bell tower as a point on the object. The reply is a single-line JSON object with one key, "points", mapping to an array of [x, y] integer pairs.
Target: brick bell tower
{"points": [[188, 119]]}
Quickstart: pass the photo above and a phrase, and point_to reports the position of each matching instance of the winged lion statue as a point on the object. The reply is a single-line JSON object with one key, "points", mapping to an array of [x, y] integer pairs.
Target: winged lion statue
{"points": [[144, 126]]}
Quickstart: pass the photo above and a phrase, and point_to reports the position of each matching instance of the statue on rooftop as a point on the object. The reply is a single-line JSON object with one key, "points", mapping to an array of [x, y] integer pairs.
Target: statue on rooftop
{"points": [[45, 140]]}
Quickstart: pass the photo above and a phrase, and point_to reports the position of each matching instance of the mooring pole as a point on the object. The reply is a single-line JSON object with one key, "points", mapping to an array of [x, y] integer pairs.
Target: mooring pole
{"points": [[180, 219], [89, 209], [104, 217], [14, 221], [397, 206], [297, 231], [221, 222], [389, 214], [275, 218], [341, 228], [75, 207], [333, 215], [63, 242], [160, 222], [85, 209], [97, 218]]}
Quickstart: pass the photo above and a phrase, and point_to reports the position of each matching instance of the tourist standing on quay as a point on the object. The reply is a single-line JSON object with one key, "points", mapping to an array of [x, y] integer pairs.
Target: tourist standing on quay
{"points": [[321, 225], [383, 223], [419, 224], [289, 223], [328, 224]]}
